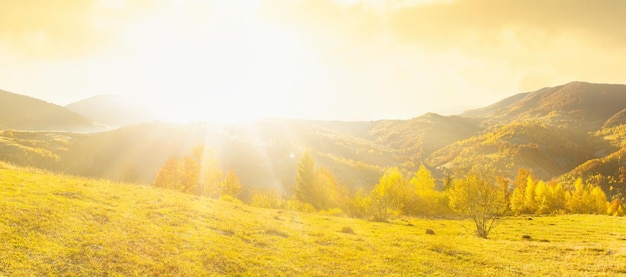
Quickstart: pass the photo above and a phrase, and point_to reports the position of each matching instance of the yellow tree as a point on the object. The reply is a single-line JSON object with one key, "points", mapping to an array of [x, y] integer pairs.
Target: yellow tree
{"points": [[424, 186], [517, 201], [230, 186], [478, 196], [386, 194], [530, 204], [597, 201], [190, 175], [559, 196], [329, 193], [360, 204], [168, 175], [543, 198], [576, 199], [211, 176]]}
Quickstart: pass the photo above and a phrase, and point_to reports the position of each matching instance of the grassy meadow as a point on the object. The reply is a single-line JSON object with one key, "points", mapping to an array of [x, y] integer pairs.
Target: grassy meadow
{"points": [[70, 226]]}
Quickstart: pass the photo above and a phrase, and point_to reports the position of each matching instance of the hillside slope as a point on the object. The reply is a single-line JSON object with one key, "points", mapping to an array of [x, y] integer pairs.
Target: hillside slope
{"points": [[61, 225], [585, 105], [26, 113], [551, 131]]}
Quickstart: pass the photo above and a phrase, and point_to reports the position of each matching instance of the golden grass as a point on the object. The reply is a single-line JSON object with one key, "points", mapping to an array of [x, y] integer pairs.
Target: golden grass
{"points": [[69, 226]]}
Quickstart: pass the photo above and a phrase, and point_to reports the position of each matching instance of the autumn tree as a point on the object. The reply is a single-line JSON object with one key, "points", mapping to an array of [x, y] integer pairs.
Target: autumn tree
{"points": [[329, 193], [597, 201], [478, 196], [386, 194], [530, 204], [168, 176], [189, 175], [230, 186], [184, 174], [616, 208], [586, 199], [318, 187], [576, 198], [517, 202], [559, 193], [428, 199], [543, 198], [211, 175], [359, 204]]}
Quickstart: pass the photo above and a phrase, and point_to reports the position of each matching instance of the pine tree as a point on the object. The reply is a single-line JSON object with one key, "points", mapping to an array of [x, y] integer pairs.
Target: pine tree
{"points": [[306, 183]]}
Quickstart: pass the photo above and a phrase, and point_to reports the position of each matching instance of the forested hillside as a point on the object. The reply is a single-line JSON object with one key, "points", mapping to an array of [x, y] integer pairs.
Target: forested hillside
{"points": [[576, 128]]}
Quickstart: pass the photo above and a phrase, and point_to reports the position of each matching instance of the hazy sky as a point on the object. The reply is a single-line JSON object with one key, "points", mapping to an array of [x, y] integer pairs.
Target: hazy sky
{"points": [[317, 59]]}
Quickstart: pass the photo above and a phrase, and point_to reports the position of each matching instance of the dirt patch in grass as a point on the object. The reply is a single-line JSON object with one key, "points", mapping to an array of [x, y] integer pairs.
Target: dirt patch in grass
{"points": [[275, 232]]}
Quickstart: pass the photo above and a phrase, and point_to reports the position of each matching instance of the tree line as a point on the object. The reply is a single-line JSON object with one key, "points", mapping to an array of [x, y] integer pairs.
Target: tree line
{"points": [[477, 192]]}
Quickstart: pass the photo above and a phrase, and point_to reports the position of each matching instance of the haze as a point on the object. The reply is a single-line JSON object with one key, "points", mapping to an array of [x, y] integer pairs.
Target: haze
{"points": [[314, 59]]}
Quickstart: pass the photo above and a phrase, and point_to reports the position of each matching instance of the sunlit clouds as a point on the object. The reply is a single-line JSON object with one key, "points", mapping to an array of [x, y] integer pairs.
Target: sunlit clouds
{"points": [[317, 59]]}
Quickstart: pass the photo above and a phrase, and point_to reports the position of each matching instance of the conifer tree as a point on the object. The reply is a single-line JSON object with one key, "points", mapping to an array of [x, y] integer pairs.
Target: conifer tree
{"points": [[306, 187]]}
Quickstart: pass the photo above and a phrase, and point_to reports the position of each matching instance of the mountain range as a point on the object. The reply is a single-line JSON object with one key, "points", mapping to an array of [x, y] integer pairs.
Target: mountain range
{"points": [[576, 129]]}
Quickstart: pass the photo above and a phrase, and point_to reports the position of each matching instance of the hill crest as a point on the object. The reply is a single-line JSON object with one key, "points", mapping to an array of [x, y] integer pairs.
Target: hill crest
{"points": [[20, 112]]}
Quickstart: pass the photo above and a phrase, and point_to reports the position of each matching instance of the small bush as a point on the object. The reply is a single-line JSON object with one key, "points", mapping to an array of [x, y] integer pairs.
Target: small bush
{"points": [[268, 199], [229, 198], [300, 206], [332, 212], [347, 230]]}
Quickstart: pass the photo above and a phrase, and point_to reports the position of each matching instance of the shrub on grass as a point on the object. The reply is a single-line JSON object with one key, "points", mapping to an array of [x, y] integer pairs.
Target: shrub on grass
{"points": [[347, 230]]}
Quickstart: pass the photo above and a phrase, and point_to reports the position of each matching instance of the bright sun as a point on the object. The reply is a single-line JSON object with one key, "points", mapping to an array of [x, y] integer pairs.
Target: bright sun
{"points": [[228, 67]]}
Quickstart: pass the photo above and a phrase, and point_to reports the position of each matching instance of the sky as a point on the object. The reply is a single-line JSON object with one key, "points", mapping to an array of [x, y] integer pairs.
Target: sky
{"points": [[228, 60]]}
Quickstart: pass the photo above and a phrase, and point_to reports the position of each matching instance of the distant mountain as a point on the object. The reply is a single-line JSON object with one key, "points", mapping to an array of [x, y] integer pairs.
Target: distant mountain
{"points": [[26, 113], [577, 129], [113, 110], [583, 104], [548, 150], [550, 130]]}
